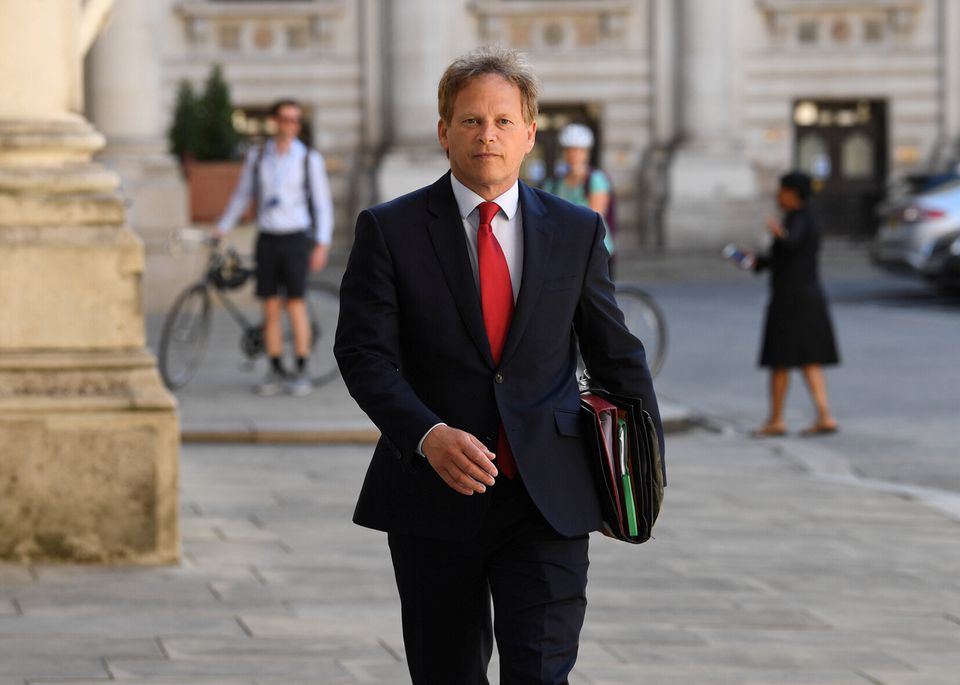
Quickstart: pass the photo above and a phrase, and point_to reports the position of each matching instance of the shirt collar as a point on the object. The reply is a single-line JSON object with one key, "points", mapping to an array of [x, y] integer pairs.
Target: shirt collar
{"points": [[467, 200], [296, 147]]}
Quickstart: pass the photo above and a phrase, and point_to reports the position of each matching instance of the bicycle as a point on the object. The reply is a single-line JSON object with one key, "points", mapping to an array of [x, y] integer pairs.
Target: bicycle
{"points": [[186, 329], [646, 321]]}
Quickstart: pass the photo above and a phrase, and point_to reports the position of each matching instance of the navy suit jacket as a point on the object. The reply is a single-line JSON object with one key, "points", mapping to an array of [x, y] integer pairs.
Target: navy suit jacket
{"points": [[413, 351]]}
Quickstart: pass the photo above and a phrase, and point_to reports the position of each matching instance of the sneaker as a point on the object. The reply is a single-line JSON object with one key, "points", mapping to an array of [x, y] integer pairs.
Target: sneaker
{"points": [[299, 385], [272, 384]]}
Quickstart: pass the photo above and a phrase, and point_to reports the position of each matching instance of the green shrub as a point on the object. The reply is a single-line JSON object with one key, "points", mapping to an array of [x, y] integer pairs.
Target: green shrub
{"points": [[203, 127], [183, 131]]}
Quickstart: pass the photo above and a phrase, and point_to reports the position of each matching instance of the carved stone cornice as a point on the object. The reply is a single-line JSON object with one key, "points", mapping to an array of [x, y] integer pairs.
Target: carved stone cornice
{"points": [[554, 25]]}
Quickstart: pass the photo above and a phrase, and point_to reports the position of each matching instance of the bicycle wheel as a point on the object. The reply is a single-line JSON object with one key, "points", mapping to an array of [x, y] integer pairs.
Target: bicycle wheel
{"points": [[323, 306], [184, 337], [646, 321]]}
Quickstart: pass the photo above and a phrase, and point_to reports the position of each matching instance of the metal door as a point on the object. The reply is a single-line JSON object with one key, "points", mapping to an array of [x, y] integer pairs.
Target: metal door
{"points": [[843, 145]]}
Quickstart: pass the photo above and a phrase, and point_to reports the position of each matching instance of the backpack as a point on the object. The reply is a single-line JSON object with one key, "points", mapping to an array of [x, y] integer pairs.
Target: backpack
{"points": [[610, 217]]}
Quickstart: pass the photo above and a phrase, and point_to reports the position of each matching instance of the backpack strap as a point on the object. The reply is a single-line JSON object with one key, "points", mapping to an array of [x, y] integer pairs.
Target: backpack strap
{"points": [[311, 209], [609, 216], [257, 184]]}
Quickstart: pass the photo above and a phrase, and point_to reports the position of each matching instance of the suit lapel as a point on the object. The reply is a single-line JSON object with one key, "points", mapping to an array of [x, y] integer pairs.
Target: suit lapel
{"points": [[450, 243], [536, 253]]}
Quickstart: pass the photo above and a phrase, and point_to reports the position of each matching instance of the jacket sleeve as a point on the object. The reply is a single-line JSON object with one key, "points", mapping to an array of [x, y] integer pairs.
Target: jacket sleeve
{"points": [[761, 263], [367, 345], [614, 357]]}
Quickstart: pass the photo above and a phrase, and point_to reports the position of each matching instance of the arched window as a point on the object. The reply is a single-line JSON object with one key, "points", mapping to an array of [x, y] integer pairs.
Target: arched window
{"points": [[813, 155], [856, 156]]}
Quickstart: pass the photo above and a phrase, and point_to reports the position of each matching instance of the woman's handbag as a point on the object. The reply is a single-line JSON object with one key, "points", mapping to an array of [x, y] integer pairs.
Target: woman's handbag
{"points": [[626, 462]]}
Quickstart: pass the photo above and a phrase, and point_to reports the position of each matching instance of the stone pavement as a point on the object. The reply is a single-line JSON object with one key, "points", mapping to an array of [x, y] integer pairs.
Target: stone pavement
{"points": [[762, 573]]}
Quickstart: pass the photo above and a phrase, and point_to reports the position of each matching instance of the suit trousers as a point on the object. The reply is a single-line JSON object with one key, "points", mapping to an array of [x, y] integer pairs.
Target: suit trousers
{"points": [[535, 577]]}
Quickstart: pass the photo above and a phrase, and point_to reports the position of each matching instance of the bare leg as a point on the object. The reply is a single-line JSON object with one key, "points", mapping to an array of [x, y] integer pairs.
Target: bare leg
{"points": [[779, 384], [817, 385], [272, 331], [300, 323]]}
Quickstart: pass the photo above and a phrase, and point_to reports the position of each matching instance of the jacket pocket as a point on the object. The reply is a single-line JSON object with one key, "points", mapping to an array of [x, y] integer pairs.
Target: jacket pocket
{"points": [[568, 422]]}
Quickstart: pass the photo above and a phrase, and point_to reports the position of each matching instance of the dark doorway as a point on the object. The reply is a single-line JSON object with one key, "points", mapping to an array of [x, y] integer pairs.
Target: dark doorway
{"points": [[843, 145], [542, 162]]}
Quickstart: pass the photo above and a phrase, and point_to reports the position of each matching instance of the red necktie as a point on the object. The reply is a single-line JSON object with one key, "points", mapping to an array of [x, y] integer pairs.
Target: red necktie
{"points": [[496, 298]]}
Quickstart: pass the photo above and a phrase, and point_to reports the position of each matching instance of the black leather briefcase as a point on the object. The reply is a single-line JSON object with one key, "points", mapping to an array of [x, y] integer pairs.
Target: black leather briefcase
{"points": [[626, 463]]}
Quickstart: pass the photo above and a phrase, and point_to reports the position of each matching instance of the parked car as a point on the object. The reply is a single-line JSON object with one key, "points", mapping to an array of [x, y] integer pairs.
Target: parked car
{"points": [[911, 225], [943, 266]]}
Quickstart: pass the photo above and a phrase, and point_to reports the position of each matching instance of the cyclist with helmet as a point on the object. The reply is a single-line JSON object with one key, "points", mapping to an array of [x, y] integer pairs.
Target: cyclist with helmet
{"points": [[580, 183]]}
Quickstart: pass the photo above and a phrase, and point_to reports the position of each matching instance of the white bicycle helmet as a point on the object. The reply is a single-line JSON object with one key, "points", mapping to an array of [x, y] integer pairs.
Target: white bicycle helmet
{"points": [[576, 135]]}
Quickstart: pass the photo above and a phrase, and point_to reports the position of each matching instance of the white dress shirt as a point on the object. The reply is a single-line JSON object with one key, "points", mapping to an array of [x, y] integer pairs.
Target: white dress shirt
{"points": [[282, 205], [508, 230]]}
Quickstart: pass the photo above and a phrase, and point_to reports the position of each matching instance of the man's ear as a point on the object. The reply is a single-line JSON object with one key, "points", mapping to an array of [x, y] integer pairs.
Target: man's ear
{"points": [[531, 135], [442, 135]]}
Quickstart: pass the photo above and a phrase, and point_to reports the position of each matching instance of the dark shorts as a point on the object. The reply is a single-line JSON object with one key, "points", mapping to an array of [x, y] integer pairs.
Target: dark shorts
{"points": [[283, 264]]}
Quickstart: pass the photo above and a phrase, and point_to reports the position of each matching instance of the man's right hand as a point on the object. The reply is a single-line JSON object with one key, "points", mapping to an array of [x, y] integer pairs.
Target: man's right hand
{"points": [[462, 461]]}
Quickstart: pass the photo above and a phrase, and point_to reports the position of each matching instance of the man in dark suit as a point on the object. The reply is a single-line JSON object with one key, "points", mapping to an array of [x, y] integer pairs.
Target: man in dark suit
{"points": [[461, 310]]}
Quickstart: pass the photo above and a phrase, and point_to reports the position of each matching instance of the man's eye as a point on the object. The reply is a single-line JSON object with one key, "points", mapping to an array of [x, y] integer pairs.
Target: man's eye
{"points": [[470, 122], [505, 122]]}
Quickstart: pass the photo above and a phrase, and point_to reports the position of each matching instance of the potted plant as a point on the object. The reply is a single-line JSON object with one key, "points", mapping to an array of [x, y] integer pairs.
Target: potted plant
{"points": [[203, 137]]}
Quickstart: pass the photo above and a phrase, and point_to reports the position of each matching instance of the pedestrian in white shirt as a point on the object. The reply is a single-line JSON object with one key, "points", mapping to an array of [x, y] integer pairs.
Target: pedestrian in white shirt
{"points": [[294, 215]]}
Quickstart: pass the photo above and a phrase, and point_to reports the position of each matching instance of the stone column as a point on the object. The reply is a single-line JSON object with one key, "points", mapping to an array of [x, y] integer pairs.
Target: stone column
{"points": [[88, 435], [125, 103], [713, 189], [421, 41]]}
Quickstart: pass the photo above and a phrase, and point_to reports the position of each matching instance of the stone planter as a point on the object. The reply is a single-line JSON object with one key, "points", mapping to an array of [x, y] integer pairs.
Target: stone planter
{"points": [[211, 184]]}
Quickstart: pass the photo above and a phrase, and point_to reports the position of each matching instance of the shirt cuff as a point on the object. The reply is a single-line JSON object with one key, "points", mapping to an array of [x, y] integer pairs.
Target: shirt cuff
{"points": [[420, 444]]}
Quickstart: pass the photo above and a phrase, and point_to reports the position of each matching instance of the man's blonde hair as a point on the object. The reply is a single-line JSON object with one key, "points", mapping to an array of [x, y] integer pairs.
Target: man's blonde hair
{"points": [[509, 64]]}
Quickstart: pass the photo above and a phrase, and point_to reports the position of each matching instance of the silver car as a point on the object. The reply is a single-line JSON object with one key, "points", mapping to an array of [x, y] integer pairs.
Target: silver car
{"points": [[911, 226], [943, 267]]}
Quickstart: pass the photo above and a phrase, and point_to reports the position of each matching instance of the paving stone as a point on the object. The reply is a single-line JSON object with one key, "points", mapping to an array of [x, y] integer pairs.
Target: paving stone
{"points": [[320, 670], [20, 667], [193, 680]]}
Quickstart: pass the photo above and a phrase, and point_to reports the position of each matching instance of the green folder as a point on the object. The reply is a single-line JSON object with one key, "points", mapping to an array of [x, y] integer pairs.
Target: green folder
{"points": [[634, 529]]}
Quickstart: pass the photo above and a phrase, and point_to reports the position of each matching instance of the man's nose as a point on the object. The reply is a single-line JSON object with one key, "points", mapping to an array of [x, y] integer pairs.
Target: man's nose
{"points": [[488, 133]]}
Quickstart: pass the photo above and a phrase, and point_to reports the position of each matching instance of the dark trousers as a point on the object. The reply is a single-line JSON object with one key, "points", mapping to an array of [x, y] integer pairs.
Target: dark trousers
{"points": [[535, 577]]}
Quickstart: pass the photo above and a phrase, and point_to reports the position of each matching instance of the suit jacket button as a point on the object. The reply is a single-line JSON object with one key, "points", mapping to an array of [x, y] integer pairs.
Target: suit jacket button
{"points": [[498, 378]]}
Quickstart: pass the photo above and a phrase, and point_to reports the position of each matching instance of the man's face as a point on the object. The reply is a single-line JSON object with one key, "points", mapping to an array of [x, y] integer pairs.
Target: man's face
{"points": [[577, 157], [288, 120], [486, 139]]}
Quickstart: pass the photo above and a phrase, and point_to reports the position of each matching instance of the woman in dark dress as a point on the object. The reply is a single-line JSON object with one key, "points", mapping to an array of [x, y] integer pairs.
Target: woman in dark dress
{"points": [[798, 332]]}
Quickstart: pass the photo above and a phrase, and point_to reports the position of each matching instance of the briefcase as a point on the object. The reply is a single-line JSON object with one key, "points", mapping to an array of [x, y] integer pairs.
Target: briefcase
{"points": [[626, 462]]}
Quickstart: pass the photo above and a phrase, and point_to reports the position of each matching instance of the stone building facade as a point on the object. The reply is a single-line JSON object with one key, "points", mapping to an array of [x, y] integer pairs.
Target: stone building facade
{"points": [[698, 104]]}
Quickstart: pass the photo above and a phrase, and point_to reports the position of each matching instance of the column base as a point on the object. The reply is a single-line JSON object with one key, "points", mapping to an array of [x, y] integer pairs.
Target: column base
{"points": [[89, 452], [714, 198]]}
